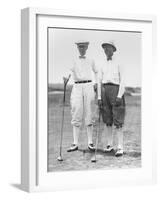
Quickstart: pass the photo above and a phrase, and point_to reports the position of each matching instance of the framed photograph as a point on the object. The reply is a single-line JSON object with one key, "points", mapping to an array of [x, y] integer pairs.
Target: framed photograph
{"points": [[86, 104]]}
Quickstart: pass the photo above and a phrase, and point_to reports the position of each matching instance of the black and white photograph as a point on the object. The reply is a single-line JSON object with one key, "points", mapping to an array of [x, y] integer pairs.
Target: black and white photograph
{"points": [[94, 99]]}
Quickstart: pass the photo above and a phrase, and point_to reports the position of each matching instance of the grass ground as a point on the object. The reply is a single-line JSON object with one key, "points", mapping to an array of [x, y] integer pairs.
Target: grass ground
{"points": [[81, 159]]}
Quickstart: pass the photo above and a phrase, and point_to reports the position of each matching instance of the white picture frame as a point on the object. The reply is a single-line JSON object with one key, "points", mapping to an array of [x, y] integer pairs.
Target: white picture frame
{"points": [[34, 175]]}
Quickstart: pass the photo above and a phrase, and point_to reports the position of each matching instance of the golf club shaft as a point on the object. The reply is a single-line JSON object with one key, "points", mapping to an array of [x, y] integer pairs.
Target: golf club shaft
{"points": [[62, 125], [98, 130]]}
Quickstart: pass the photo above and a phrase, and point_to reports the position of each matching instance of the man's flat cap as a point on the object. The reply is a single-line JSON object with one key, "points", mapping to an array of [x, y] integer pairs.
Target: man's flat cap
{"points": [[104, 45], [82, 43]]}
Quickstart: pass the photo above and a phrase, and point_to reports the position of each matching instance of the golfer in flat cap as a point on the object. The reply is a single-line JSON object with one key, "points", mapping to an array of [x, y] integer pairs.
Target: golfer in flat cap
{"points": [[83, 95], [111, 98]]}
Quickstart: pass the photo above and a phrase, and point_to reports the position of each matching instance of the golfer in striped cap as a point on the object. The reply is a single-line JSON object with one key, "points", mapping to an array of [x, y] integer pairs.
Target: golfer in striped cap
{"points": [[111, 98], [83, 95]]}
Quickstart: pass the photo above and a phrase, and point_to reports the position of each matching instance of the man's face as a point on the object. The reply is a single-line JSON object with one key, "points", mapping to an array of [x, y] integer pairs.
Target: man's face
{"points": [[82, 50], [109, 51]]}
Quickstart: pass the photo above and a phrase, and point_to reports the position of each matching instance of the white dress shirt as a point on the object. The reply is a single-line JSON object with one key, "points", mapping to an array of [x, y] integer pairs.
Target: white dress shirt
{"points": [[111, 72], [83, 69]]}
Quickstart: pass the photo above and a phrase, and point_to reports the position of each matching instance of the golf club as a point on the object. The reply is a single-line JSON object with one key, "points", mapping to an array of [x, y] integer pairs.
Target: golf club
{"points": [[60, 158], [98, 130]]}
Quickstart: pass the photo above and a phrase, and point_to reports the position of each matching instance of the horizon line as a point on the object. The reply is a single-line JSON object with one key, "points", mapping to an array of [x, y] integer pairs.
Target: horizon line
{"points": [[125, 85]]}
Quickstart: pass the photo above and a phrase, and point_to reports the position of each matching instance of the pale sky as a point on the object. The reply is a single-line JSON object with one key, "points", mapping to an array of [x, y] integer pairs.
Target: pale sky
{"points": [[62, 50]]}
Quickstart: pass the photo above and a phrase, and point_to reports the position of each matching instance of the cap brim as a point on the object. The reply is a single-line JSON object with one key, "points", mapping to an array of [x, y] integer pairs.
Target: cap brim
{"points": [[82, 43], [108, 44]]}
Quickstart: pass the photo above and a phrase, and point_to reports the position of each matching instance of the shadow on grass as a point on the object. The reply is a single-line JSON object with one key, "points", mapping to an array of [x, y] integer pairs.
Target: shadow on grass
{"points": [[133, 154], [99, 152]]}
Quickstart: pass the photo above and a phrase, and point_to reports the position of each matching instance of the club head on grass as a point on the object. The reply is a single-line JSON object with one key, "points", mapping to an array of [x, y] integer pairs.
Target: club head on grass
{"points": [[93, 160], [60, 158]]}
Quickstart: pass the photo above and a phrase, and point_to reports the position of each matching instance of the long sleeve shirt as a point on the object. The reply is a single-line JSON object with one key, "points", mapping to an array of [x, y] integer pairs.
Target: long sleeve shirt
{"points": [[111, 72]]}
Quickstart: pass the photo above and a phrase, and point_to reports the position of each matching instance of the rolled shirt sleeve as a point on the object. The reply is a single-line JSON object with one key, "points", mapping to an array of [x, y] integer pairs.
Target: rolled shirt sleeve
{"points": [[95, 71], [94, 67], [122, 82], [100, 77]]}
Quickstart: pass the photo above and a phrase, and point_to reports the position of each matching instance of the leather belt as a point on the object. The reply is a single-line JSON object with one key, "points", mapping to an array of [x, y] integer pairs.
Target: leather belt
{"points": [[110, 84], [88, 81]]}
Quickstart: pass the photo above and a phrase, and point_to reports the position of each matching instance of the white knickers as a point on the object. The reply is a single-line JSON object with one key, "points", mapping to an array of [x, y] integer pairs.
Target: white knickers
{"points": [[82, 104]]}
